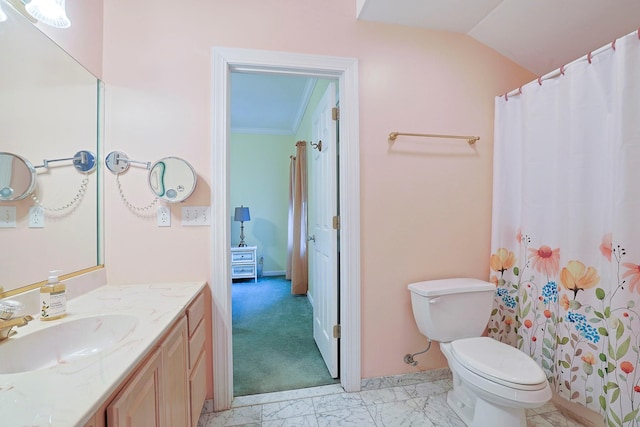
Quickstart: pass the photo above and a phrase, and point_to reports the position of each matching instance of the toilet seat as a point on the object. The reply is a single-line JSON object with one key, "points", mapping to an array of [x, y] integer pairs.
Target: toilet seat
{"points": [[499, 362]]}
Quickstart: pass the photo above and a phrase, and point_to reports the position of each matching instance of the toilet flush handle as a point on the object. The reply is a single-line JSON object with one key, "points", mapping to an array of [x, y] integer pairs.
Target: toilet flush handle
{"points": [[434, 300]]}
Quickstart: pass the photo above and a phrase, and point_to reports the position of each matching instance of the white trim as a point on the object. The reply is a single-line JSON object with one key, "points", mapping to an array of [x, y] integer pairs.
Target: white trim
{"points": [[273, 273], [224, 61]]}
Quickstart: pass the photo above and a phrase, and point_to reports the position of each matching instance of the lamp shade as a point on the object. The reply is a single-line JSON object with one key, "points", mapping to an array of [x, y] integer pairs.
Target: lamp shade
{"points": [[242, 214]]}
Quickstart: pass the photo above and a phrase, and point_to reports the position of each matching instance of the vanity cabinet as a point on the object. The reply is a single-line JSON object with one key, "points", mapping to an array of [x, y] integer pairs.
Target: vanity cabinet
{"points": [[197, 365], [140, 402], [157, 395], [169, 387]]}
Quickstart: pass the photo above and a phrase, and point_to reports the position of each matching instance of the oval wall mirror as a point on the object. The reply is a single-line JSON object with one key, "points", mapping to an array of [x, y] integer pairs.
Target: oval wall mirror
{"points": [[172, 179], [17, 177]]}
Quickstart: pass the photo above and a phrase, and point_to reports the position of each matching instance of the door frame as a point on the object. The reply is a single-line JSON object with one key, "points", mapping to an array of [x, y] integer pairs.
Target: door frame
{"points": [[345, 70]]}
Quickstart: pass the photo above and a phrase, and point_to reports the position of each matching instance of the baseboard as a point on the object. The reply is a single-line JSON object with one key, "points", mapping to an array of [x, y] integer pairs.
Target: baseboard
{"points": [[274, 273], [583, 415]]}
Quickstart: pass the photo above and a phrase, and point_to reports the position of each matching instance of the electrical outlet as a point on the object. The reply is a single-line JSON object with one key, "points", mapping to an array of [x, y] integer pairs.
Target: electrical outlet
{"points": [[7, 217], [164, 216], [36, 217], [196, 215]]}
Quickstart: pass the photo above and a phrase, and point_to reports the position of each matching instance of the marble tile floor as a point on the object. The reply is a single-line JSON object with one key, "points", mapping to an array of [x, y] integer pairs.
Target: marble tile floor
{"points": [[417, 399]]}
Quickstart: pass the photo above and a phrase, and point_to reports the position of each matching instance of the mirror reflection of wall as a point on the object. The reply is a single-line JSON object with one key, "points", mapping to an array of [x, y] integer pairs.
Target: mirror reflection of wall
{"points": [[49, 106]]}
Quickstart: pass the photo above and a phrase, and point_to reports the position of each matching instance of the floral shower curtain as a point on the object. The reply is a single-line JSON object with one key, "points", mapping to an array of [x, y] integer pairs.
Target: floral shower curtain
{"points": [[566, 229]]}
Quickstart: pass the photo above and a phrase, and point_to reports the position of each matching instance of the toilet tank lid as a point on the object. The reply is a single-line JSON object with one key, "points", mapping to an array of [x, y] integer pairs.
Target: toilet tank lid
{"points": [[431, 288]]}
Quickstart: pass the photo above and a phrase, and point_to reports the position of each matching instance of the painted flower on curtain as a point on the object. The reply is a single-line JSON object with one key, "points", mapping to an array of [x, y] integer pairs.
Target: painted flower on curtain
{"points": [[633, 275], [576, 277], [584, 335], [545, 260], [503, 261]]}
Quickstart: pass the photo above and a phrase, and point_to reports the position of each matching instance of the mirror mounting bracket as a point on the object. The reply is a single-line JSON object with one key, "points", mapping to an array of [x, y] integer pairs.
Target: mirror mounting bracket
{"points": [[84, 161], [118, 162]]}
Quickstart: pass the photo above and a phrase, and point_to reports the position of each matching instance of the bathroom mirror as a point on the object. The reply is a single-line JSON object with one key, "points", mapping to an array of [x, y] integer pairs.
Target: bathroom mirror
{"points": [[17, 177], [49, 106], [172, 179]]}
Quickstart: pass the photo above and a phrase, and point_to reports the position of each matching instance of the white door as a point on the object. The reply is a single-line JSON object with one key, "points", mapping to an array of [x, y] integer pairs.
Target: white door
{"points": [[323, 243]]}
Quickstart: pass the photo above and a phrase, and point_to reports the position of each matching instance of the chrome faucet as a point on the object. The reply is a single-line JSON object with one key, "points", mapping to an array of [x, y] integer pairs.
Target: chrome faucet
{"points": [[7, 321]]}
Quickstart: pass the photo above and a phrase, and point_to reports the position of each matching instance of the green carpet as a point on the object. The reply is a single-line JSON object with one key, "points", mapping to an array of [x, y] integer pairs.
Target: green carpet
{"points": [[273, 346]]}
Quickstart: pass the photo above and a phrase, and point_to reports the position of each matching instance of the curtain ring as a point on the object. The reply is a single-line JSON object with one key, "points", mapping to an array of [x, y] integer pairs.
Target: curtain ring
{"points": [[520, 90], [540, 80], [613, 45], [562, 69], [506, 97], [589, 57], [318, 145]]}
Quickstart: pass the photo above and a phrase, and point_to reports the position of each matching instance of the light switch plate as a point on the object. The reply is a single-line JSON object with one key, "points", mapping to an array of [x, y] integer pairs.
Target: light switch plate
{"points": [[196, 215], [7, 217], [36, 217]]}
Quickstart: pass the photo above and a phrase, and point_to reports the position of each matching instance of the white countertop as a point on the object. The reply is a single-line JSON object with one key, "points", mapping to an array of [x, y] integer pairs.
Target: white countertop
{"points": [[68, 395]]}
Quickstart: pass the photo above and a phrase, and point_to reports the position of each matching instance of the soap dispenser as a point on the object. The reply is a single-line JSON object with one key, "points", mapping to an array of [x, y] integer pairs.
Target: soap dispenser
{"points": [[53, 298]]}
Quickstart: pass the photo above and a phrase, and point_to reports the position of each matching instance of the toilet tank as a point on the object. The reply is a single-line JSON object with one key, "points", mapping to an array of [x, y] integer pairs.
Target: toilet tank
{"points": [[449, 309]]}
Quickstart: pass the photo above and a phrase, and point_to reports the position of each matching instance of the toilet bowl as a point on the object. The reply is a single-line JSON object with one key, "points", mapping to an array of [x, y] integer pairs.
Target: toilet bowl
{"points": [[493, 383]]}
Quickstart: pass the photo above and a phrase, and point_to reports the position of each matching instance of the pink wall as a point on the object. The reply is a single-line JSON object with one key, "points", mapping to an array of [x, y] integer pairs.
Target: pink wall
{"points": [[83, 40], [426, 205]]}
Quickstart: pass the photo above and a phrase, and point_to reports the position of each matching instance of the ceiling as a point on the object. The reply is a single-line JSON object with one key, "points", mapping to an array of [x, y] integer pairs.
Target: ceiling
{"points": [[540, 35]]}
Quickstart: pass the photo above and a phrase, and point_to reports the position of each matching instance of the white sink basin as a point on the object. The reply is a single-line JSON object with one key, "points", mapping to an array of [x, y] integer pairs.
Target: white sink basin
{"points": [[64, 342]]}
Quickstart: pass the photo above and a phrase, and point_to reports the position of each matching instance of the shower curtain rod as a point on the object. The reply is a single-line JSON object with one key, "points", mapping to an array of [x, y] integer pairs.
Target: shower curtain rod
{"points": [[560, 71], [470, 139]]}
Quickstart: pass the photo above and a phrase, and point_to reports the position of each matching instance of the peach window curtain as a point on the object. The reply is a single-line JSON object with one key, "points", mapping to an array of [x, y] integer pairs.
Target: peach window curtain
{"points": [[297, 236], [565, 233]]}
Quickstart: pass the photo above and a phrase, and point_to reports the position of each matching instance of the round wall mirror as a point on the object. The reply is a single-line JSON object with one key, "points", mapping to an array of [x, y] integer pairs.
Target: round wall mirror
{"points": [[172, 179], [17, 177]]}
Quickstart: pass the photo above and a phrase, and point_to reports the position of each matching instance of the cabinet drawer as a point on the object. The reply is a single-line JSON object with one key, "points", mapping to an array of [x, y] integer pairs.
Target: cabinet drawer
{"points": [[243, 270], [196, 345], [198, 389], [242, 256], [195, 313]]}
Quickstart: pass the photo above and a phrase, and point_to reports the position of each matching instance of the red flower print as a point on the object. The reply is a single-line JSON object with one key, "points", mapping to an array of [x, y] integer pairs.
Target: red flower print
{"points": [[636, 389], [547, 314], [626, 367], [589, 358], [545, 260], [606, 246], [519, 236], [534, 339], [508, 320], [625, 314], [528, 323], [633, 273]]}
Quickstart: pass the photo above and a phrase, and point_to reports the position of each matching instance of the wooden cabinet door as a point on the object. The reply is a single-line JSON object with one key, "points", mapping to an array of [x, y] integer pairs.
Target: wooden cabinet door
{"points": [[176, 375], [139, 402]]}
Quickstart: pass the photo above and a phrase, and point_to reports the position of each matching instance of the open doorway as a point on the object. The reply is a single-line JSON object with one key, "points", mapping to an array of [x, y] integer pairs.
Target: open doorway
{"points": [[345, 70], [277, 319]]}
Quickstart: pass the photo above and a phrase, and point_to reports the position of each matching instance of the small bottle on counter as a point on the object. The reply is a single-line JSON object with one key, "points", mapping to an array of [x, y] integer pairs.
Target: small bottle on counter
{"points": [[53, 298]]}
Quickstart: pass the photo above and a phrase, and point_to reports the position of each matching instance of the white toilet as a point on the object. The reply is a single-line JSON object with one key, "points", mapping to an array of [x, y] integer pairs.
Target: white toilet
{"points": [[493, 383]]}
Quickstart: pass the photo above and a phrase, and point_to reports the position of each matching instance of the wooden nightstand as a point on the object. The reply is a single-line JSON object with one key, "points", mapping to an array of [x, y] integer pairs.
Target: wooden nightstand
{"points": [[243, 263]]}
